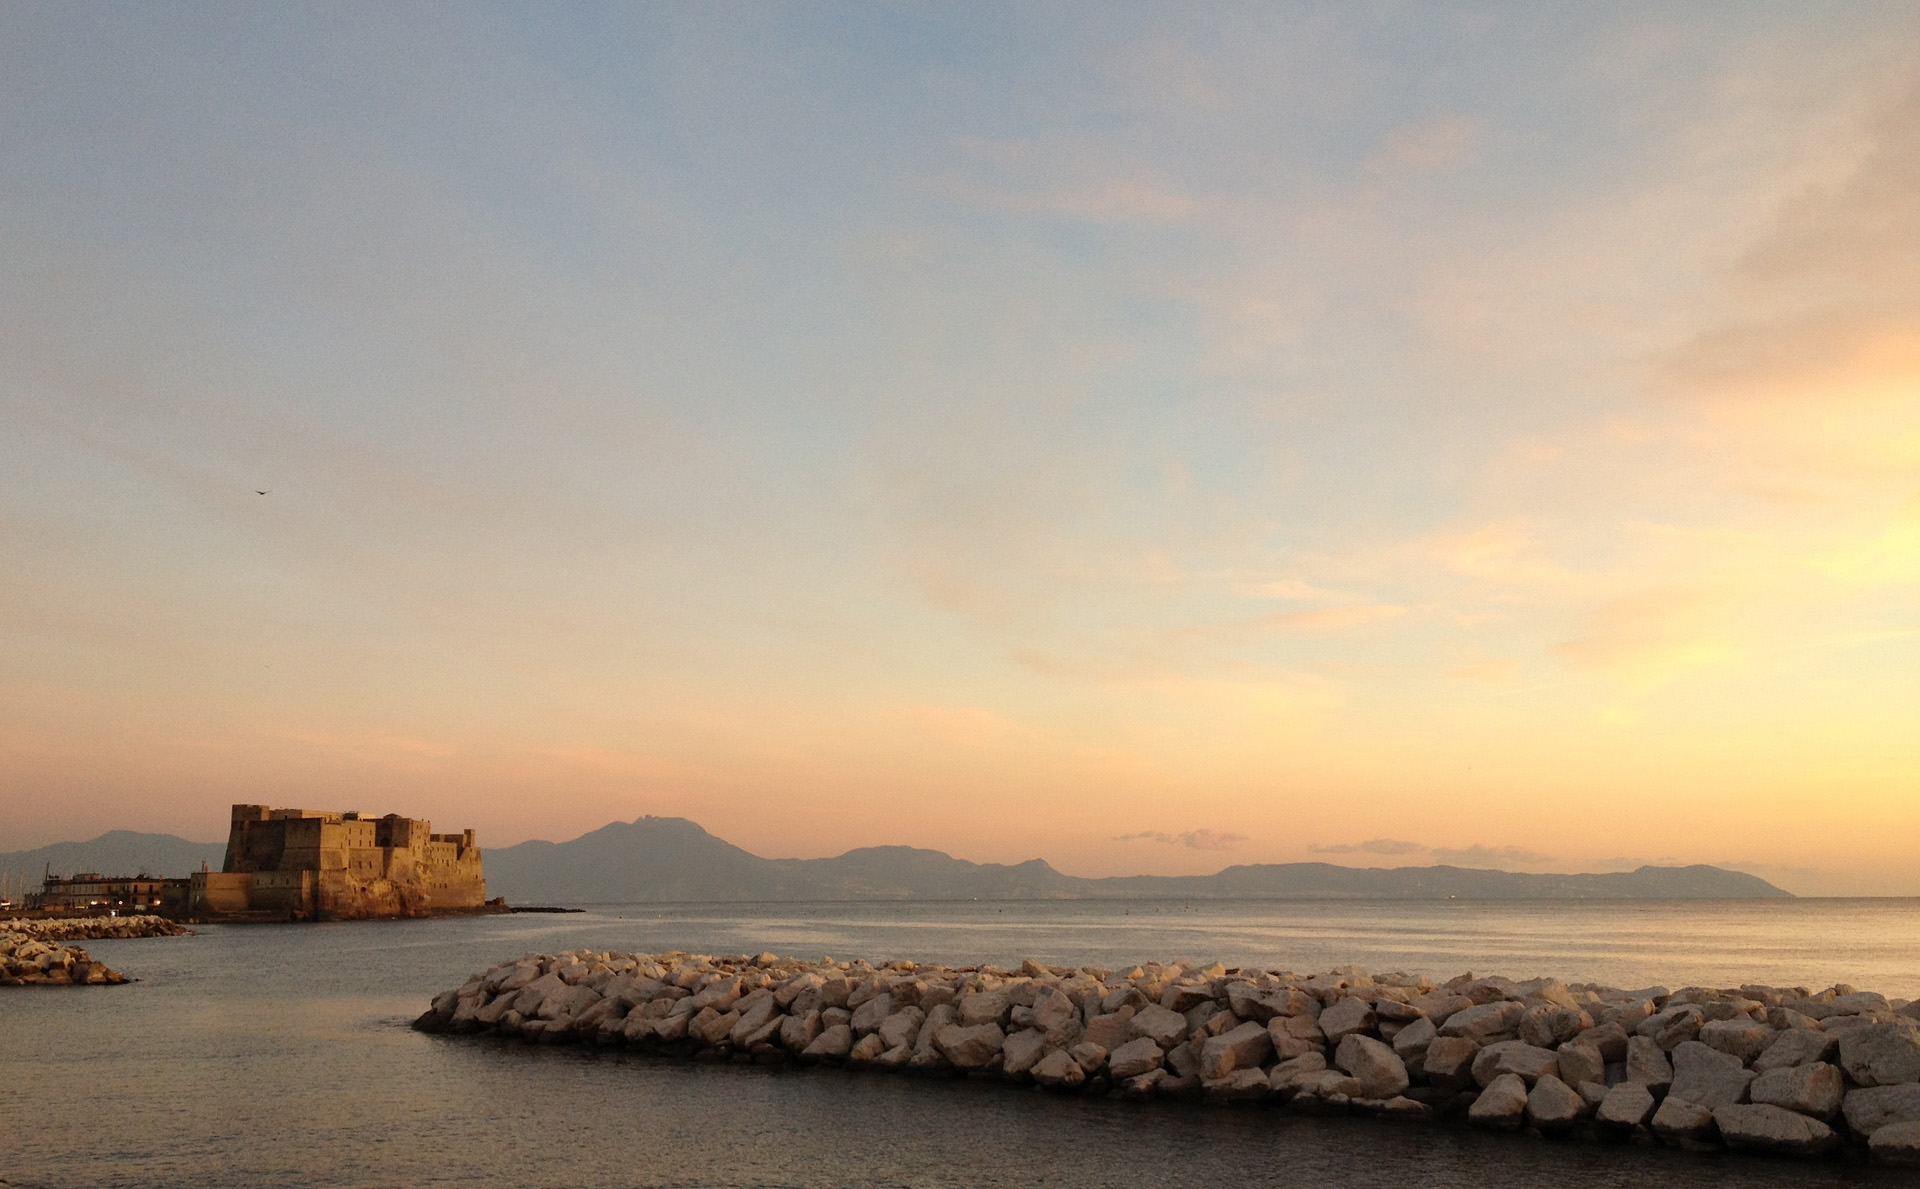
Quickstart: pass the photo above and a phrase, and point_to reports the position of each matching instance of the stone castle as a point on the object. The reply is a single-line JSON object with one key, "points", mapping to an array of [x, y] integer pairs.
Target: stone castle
{"points": [[304, 864]]}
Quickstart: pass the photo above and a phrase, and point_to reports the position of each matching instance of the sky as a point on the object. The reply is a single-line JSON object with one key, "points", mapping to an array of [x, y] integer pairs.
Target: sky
{"points": [[1144, 437]]}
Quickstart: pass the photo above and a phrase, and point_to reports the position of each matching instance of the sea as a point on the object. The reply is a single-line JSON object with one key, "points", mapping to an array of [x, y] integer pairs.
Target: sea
{"points": [[281, 1054]]}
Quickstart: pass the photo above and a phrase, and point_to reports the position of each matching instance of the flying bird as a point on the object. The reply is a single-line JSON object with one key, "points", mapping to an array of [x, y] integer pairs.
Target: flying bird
{"points": [[257, 491]]}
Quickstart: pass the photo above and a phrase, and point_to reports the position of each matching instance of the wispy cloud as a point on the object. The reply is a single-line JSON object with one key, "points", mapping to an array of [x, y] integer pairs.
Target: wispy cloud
{"points": [[1372, 846], [1055, 176], [967, 725], [1121, 202], [1828, 300], [1429, 143], [1477, 855], [1653, 636], [1806, 373], [1508, 552], [1470, 856], [1194, 839], [1326, 620], [1492, 670], [1295, 589]]}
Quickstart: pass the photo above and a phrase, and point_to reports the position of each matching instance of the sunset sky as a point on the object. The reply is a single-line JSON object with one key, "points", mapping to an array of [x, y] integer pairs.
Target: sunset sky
{"points": [[1146, 438]]}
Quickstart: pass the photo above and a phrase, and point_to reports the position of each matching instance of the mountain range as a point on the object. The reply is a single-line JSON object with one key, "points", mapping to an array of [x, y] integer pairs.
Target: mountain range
{"points": [[670, 859], [664, 860]]}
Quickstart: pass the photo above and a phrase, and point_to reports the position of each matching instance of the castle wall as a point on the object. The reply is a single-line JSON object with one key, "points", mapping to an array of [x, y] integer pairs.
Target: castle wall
{"points": [[291, 892], [220, 892], [345, 866]]}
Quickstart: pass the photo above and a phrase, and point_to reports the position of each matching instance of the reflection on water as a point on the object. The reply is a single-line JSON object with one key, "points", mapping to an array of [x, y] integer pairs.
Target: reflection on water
{"points": [[248, 1054]]}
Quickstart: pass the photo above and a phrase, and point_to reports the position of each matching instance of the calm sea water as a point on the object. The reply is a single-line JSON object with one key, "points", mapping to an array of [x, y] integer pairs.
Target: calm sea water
{"points": [[281, 1053]]}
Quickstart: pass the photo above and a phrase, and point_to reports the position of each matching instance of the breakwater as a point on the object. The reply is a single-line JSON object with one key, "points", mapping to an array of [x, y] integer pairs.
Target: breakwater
{"points": [[32, 953], [1778, 1070], [29, 962], [94, 928]]}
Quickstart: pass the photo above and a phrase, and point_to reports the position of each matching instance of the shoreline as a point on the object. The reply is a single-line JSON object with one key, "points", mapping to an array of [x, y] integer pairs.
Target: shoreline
{"points": [[280, 917], [1781, 1071]]}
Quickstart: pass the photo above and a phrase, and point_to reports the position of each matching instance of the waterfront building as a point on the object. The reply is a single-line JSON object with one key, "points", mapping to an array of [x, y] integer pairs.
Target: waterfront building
{"points": [[90, 891]]}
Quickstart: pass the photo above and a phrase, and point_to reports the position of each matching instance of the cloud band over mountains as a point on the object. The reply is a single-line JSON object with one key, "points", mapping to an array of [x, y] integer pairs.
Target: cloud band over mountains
{"points": [[1465, 856], [1196, 839]]}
